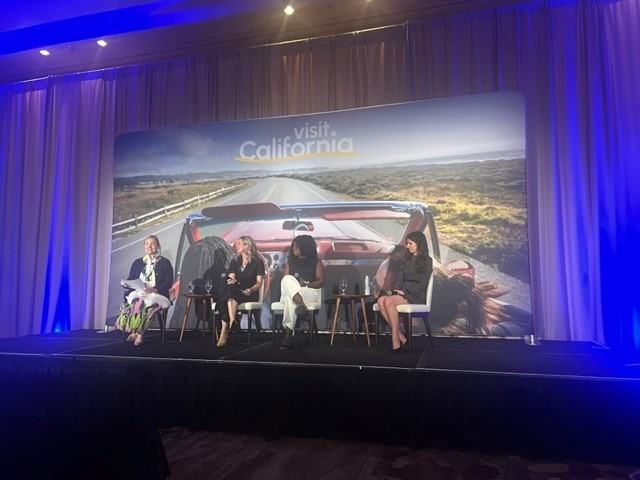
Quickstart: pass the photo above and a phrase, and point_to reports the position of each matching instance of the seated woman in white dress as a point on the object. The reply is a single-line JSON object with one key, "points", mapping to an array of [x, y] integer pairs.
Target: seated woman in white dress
{"points": [[303, 277]]}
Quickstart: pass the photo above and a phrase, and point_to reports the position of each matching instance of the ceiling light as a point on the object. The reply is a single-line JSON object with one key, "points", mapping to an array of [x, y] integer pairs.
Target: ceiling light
{"points": [[102, 43], [44, 52], [289, 10]]}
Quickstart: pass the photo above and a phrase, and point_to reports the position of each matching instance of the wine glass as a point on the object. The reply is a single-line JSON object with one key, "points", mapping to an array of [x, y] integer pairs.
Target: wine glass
{"points": [[208, 285], [343, 286]]}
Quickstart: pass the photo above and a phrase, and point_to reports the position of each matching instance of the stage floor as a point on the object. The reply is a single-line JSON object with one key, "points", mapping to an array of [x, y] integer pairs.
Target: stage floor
{"points": [[556, 400], [475, 355]]}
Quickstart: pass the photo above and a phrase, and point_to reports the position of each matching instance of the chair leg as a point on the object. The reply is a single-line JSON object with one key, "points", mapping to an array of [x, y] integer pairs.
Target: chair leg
{"points": [[248, 327], [257, 318], [251, 315], [428, 329], [273, 326], [161, 315], [375, 316], [312, 323], [163, 326]]}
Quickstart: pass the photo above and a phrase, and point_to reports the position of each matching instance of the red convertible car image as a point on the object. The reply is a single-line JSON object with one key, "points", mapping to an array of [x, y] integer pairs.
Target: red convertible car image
{"points": [[353, 239]]}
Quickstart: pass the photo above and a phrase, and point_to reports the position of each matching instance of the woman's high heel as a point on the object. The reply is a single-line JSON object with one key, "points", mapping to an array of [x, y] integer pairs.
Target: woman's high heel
{"points": [[301, 309], [222, 341], [404, 347], [234, 327], [286, 339]]}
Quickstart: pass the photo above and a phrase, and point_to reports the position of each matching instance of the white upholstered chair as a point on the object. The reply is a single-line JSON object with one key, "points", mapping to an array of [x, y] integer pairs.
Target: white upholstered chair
{"points": [[250, 308], [409, 310], [277, 308]]}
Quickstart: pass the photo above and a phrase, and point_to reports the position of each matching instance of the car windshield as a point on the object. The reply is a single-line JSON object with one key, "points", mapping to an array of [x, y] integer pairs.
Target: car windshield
{"points": [[378, 223], [270, 230], [348, 234]]}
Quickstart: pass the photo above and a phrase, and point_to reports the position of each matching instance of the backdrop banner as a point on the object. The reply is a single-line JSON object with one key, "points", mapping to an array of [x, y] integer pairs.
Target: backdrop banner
{"points": [[358, 181]]}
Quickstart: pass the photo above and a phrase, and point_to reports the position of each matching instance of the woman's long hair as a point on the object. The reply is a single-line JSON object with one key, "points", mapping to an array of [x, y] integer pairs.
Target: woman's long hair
{"points": [[423, 260], [460, 298], [397, 256], [252, 251]]}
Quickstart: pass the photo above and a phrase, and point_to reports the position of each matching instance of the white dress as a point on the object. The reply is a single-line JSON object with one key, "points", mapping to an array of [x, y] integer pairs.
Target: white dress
{"points": [[289, 286]]}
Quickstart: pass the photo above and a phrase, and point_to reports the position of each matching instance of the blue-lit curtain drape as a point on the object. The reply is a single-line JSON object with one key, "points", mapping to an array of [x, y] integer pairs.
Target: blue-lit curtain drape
{"points": [[573, 61]]}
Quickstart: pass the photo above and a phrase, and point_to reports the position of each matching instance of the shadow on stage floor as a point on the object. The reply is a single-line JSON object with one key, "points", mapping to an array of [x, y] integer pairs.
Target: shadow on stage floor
{"points": [[90, 393]]}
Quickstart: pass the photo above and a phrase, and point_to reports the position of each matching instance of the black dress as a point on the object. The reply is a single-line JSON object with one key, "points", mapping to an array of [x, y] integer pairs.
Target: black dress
{"points": [[413, 280], [302, 268], [245, 278]]}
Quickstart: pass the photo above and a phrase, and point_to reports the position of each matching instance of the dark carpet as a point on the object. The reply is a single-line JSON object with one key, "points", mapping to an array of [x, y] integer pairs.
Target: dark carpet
{"points": [[195, 455]]}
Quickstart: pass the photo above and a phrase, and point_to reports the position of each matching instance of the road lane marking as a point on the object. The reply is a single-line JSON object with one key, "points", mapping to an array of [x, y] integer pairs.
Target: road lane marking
{"points": [[137, 242]]}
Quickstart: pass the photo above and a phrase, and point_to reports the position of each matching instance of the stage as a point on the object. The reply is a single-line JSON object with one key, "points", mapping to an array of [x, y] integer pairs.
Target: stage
{"points": [[89, 402]]}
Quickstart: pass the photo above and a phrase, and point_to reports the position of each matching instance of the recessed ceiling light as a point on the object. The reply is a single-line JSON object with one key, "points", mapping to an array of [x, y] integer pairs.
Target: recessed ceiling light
{"points": [[289, 10], [102, 43], [44, 52]]}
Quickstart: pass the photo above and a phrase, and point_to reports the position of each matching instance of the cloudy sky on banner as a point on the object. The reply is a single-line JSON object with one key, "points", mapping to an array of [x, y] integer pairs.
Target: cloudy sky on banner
{"points": [[471, 127]]}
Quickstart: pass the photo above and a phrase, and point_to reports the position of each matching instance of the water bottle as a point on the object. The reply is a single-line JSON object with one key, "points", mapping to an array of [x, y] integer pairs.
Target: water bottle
{"points": [[367, 285]]}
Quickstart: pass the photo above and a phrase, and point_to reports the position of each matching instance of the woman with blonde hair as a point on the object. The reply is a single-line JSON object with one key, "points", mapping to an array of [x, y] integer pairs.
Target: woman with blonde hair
{"points": [[244, 279], [147, 291]]}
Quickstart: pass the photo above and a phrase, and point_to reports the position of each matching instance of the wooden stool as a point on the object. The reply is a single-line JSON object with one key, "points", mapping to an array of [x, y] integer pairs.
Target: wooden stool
{"points": [[207, 300]]}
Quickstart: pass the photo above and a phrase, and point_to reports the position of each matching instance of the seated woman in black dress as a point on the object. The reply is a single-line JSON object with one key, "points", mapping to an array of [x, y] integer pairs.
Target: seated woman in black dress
{"points": [[244, 279], [410, 286]]}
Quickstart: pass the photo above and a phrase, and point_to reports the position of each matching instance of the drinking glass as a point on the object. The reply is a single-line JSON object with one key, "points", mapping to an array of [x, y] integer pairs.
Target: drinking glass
{"points": [[343, 286], [190, 287], [208, 286]]}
